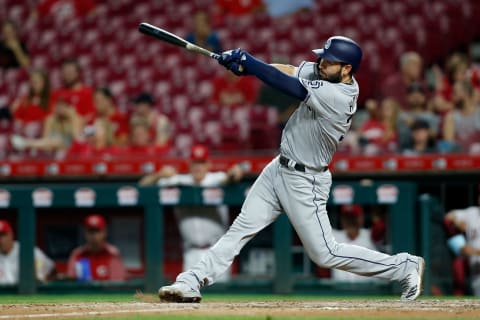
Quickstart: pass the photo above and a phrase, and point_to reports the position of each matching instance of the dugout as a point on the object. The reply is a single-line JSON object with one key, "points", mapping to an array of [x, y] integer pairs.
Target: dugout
{"points": [[35, 208]]}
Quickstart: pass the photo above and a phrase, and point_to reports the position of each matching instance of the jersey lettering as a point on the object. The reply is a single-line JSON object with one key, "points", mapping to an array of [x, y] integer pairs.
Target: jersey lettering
{"points": [[315, 84]]}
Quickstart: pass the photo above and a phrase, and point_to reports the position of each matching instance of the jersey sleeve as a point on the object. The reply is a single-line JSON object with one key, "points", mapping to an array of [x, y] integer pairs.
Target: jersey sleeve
{"points": [[43, 265], [215, 179], [176, 180], [320, 94], [464, 215]]}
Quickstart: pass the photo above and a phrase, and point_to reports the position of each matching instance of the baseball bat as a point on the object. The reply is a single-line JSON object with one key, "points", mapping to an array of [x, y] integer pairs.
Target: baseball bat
{"points": [[171, 38]]}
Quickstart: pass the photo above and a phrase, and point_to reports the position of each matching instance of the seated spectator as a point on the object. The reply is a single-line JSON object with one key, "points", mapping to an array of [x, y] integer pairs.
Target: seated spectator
{"points": [[279, 8], [417, 108], [106, 110], [352, 232], [9, 257], [411, 70], [421, 140], [61, 127], [30, 111], [378, 134], [232, 91], [202, 34], [97, 260], [13, 52], [141, 142], [74, 90], [159, 126], [455, 70], [461, 129], [96, 141]]}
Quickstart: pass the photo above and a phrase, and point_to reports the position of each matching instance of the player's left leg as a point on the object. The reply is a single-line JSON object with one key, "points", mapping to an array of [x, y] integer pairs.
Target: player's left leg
{"points": [[260, 209], [304, 198]]}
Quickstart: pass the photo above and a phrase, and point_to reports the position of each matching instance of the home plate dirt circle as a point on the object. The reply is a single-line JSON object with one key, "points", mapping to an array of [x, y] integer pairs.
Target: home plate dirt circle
{"points": [[433, 309]]}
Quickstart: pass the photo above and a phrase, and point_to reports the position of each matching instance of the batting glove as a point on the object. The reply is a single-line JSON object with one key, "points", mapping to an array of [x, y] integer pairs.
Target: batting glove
{"points": [[232, 60]]}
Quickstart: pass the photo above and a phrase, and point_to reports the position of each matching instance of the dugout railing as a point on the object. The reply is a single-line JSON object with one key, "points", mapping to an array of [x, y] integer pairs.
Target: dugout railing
{"points": [[400, 197]]}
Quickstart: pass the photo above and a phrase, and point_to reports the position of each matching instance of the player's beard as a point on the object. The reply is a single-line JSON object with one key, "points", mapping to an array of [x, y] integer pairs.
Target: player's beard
{"points": [[333, 78]]}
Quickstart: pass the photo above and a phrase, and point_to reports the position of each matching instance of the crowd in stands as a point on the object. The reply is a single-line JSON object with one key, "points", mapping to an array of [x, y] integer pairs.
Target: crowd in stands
{"points": [[117, 93]]}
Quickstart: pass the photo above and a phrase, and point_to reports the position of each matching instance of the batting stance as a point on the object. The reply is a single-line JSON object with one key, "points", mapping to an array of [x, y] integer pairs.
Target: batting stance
{"points": [[298, 181]]}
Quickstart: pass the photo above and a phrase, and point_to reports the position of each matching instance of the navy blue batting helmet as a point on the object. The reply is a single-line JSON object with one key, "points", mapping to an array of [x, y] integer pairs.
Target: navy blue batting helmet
{"points": [[341, 49]]}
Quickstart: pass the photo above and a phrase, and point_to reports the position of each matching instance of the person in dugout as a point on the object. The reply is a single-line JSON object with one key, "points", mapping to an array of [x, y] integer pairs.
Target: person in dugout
{"points": [[96, 260]]}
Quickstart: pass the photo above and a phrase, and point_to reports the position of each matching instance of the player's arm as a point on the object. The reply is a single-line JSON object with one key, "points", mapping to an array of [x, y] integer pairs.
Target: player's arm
{"points": [[150, 179], [468, 250], [285, 68], [452, 217], [242, 63]]}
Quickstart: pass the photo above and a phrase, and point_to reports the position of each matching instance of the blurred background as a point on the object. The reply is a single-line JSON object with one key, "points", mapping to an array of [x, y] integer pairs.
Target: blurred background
{"points": [[90, 105]]}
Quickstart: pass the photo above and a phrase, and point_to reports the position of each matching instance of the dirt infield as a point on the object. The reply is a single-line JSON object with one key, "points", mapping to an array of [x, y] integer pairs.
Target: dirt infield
{"points": [[429, 309]]}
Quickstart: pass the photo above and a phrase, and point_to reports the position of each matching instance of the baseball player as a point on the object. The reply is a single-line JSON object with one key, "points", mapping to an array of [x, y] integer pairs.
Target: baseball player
{"points": [[298, 181], [200, 226], [9, 257], [468, 222]]}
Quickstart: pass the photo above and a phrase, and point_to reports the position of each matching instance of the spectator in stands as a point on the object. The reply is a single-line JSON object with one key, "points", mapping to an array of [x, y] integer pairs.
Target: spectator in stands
{"points": [[13, 52], [79, 94], [6, 129], [97, 260], [202, 34], [455, 70], [106, 110], [61, 127], [461, 129], [141, 142], [30, 111], [200, 226], [232, 91], [417, 108], [421, 139], [396, 85], [279, 8], [352, 232], [158, 124], [467, 243], [9, 258], [378, 134], [96, 141]]}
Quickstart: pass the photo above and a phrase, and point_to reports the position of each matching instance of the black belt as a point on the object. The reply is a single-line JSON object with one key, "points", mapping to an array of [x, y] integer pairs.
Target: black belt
{"points": [[298, 166]]}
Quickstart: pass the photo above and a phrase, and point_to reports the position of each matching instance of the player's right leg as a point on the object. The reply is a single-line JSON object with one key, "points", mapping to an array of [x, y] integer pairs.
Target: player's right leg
{"points": [[304, 198], [261, 208]]}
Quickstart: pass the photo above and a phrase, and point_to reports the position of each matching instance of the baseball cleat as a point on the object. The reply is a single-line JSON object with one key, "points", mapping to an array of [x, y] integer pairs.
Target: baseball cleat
{"points": [[179, 292], [412, 284]]}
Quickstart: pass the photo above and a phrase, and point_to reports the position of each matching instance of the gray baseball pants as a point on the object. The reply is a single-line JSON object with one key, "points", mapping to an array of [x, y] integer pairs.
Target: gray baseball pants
{"points": [[303, 197]]}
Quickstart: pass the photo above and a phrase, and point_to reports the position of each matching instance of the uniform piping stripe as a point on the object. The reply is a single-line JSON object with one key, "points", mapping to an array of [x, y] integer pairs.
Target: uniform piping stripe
{"points": [[338, 256]]}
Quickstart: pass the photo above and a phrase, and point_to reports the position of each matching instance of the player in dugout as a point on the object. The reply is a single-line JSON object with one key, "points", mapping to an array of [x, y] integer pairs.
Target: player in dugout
{"points": [[9, 257], [97, 260], [200, 226], [467, 243], [298, 180]]}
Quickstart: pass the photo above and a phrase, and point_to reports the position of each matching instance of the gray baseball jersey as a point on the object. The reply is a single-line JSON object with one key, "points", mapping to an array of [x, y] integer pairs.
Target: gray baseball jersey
{"points": [[315, 129], [310, 138]]}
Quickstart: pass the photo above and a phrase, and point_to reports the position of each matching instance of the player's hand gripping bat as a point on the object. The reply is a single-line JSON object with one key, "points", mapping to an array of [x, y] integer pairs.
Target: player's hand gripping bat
{"points": [[171, 38]]}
